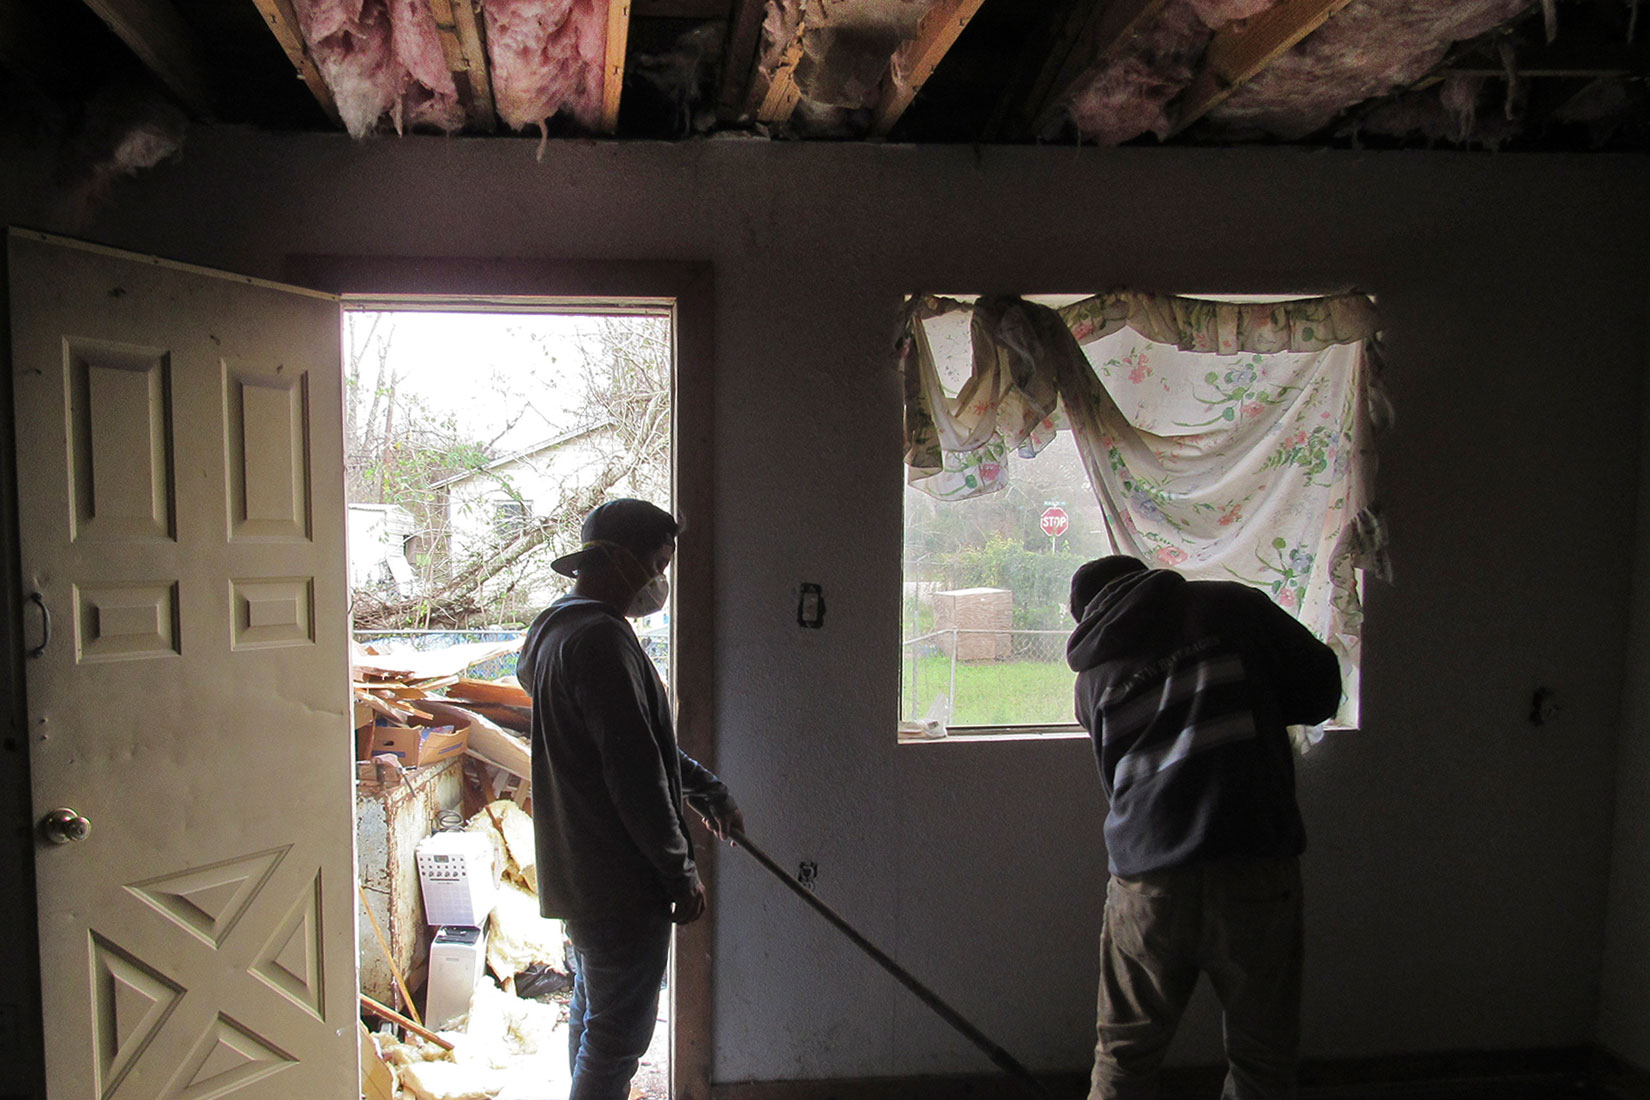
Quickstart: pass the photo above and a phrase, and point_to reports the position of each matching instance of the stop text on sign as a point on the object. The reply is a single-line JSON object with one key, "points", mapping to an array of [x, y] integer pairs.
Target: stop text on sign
{"points": [[1054, 522]]}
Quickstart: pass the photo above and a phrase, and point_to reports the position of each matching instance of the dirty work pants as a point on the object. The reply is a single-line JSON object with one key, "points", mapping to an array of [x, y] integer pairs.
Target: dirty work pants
{"points": [[1238, 922], [618, 967]]}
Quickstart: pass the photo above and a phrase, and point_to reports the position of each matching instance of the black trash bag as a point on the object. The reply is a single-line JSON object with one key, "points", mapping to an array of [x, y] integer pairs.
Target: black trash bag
{"points": [[541, 980]]}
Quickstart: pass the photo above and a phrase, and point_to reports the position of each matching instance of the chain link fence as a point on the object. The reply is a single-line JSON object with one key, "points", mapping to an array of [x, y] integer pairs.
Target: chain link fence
{"points": [[987, 677]]}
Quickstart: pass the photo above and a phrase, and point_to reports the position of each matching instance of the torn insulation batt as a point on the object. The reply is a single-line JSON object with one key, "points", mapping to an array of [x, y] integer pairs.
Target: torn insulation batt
{"points": [[1369, 48], [845, 56], [547, 56], [381, 57], [1130, 94]]}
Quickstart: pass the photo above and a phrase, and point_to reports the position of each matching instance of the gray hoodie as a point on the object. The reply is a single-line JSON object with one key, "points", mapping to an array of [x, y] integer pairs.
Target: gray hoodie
{"points": [[1186, 688], [608, 777]]}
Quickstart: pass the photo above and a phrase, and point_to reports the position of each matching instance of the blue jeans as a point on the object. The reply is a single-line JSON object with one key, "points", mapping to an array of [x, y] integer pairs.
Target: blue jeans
{"points": [[618, 968]]}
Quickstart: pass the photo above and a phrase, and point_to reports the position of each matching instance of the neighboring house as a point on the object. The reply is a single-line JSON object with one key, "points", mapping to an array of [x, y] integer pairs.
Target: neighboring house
{"points": [[378, 535], [485, 505]]}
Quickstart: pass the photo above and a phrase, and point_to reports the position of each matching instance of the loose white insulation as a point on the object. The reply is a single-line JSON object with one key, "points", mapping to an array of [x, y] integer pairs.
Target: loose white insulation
{"points": [[381, 58], [1369, 48]]}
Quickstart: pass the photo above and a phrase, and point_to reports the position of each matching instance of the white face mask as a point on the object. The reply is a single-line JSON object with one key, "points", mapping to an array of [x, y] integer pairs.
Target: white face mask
{"points": [[651, 597]]}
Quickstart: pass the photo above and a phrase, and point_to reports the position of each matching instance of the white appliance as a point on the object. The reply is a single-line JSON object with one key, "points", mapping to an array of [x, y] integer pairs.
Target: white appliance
{"points": [[458, 955], [456, 872]]}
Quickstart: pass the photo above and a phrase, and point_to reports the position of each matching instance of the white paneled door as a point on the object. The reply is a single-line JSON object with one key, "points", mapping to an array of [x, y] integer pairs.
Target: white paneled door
{"points": [[179, 442]]}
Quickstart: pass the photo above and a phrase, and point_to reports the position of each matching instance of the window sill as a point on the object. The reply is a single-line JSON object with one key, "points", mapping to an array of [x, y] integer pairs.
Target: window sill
{"points": [[1003, 733]]}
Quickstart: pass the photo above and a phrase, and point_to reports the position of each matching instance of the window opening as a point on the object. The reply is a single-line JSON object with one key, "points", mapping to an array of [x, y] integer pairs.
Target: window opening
{"points": [[477, 437], [1224, 439]]}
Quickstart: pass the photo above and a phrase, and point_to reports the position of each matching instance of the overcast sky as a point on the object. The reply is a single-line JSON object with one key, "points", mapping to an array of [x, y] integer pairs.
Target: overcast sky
{"points": [[485, 367]]}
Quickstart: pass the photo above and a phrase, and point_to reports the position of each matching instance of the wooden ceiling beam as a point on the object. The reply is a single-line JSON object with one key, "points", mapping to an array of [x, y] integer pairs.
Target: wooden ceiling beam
{"points": [[156, 32], [283, 24], [917, 59], [1104, 29], [1242, 50], [618, 42], [461, 42], [782, 94], [739, 58]]}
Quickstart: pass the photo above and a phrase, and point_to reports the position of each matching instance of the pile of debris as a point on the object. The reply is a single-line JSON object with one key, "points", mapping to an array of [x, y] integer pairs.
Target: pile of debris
{"points": [[513, 1038]]}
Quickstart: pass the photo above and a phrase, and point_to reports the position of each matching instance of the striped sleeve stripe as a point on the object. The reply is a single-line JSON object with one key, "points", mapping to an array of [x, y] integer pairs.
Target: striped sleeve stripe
{"points": [[1195, 738], [1179, 685]]}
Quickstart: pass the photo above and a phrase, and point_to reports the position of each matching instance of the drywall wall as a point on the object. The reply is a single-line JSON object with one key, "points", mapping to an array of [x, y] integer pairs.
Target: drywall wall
{"points": [[1624, 1003], [1457, 877]]}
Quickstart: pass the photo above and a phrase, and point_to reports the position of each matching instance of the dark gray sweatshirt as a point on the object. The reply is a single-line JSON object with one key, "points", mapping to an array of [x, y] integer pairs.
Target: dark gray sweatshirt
{"points": [[1186, 688], [608, 777]]}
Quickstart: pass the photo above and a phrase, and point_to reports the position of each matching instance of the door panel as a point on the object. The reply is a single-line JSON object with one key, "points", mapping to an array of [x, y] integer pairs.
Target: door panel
{"points": [[179, 438]]}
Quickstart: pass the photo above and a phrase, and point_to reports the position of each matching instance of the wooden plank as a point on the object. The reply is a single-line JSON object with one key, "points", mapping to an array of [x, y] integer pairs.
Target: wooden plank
{"points": [[618, 41], [283, 24], [1242, 50], [917, 59], [744, 38], [472, 40], [782, 94], [156, 32], [1106, 28]]}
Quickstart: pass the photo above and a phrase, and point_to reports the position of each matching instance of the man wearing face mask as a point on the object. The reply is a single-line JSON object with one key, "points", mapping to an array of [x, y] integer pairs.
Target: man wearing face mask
{"points": [[615, 860]]}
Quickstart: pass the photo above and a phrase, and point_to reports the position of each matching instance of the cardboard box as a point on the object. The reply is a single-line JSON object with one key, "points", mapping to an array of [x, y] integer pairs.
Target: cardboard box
{"points": [[417, 744]]}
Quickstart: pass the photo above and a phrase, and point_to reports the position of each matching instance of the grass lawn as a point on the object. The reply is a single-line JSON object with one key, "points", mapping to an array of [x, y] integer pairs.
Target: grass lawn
{"points": [[990, 693]]}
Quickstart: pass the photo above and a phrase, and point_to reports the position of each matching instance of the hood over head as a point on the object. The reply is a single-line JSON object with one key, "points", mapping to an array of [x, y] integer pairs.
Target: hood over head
{"points": [[1123, 619]]}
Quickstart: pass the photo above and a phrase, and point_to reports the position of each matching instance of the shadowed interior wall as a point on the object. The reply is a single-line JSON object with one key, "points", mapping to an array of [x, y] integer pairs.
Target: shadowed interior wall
{"points": [[1457, 878], [1624, 1009]]}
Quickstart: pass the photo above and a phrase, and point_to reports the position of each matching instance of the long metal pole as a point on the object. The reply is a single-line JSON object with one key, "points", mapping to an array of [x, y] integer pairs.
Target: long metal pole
{"points": [[997, 1054]]}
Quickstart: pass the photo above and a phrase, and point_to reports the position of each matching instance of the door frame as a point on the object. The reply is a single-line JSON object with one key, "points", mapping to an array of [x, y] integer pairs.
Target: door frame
{"points": [[690, 286], [22, 1036]]}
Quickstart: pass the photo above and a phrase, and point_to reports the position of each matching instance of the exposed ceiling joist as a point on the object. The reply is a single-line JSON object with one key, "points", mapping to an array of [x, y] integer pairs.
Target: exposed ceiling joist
{"points": [[1105, 26], [467, 25], [618, 41], [283, 24], [1242, 50], [782, 94], [155, 31], [466, 60], [739, 63], [916, 60]]}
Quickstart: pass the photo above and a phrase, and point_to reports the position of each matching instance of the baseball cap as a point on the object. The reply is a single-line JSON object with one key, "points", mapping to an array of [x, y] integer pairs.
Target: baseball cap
{"points": [[637, 525]]}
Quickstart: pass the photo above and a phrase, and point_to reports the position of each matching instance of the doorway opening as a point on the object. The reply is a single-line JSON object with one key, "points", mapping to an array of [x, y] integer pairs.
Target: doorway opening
{"points": [[477, 435]]}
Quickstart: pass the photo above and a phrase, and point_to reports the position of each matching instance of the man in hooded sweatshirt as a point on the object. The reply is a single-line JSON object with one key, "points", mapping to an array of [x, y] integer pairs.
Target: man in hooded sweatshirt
{"points": [[1187, 689], [615, 860]]}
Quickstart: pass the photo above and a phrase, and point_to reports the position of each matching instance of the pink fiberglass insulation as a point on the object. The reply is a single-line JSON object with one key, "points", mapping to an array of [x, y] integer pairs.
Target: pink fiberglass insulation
{"points": [[547, 56], [1217, 13], [1369, 48], [1131, 94], [350, 42], [429, 96], [381, 57]]}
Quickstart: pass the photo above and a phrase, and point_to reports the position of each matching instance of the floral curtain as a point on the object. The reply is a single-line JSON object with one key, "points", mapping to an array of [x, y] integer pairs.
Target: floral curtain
{"points": [[1228, 441]]}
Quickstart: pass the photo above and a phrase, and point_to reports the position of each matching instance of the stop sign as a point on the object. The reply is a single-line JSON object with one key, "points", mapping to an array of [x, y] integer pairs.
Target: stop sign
{"points": [[1054, 522]]}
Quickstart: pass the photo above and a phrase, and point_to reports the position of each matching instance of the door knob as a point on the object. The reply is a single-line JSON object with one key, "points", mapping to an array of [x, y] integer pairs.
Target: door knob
{"points": [[64, 826]]}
